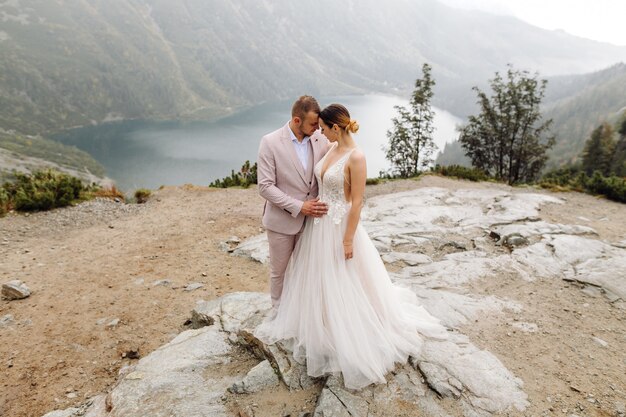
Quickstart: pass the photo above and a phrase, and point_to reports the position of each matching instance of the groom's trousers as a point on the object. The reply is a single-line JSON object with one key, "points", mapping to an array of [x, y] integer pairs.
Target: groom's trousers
{"points": [[281, 248]]}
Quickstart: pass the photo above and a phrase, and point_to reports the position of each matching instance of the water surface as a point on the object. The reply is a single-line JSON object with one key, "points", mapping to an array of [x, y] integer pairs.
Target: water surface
{"points": [[149, 153]]}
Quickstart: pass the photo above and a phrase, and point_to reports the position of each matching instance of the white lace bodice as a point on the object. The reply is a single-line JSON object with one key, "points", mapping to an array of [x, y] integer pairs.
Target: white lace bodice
{"points": [[331, 187]]}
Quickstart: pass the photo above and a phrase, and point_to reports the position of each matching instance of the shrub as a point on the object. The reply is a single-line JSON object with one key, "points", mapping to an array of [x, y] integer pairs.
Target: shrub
{"points": [[244, 178], [111, 192], [142, 195], [43, 190], [372, 181], [458, 171], [614, 188], [390, 175], [563, 177], [4, 201], [573, 178]]}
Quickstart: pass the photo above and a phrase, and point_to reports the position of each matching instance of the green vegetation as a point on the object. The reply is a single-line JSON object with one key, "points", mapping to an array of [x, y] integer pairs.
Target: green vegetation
{"points": [[599, 149], [48, 189], [411, 137], [574, 178], [166, 59], [4, 201], [604, 153], [244, 178], [612, 187], [602, 170], [142, 195], [505, 142], [458, 171], [577, 103], [42, 190], [618, 162], [506, 139], [567, 178]]}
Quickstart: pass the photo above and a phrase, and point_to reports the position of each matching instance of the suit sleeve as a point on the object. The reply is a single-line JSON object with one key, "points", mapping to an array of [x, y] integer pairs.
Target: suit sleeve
{"points": [[266, 178]]}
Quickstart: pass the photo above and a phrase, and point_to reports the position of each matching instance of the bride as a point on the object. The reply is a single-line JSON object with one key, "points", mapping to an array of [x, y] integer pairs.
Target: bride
{"points": [[339, 310]]}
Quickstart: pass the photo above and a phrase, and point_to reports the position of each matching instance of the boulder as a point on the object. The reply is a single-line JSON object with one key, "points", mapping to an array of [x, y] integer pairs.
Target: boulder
{"points": [[232, 311], [260, 377], [255, 248], [15, 290]]}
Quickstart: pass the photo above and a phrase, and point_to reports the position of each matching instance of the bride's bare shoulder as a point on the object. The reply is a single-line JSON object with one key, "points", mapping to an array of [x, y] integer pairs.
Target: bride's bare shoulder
{"points": [[357, 156], [356, 161]]}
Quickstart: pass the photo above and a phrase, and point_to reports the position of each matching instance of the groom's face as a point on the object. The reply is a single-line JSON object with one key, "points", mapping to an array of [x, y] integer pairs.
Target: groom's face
{"points": [[309, 123]]}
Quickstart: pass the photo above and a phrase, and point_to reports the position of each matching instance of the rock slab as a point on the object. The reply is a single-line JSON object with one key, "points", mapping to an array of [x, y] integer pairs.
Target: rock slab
{"points": [[15, 290]]}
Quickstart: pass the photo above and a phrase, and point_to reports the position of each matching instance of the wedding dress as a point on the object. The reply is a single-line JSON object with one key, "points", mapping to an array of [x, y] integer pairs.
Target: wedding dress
{"points": [[341, 315]]}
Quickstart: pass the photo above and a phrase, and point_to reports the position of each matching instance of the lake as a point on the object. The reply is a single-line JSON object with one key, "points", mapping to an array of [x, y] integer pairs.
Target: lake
{"points": [[148, 154]]}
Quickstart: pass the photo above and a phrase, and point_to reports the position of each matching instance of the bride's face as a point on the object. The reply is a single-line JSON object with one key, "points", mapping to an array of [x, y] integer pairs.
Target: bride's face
{"points": [[328, 131]]}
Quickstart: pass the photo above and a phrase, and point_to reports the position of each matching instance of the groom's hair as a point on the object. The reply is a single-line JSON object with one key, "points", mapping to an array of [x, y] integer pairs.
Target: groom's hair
{"points": [[303, 106]]}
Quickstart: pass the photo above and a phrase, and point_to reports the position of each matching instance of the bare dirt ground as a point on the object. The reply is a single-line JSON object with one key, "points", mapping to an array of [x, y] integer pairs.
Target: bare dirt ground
{"points": [[91, 264]]}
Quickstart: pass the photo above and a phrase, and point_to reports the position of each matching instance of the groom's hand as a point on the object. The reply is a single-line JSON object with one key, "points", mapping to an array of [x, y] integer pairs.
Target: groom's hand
{"points": [[314, 208]]}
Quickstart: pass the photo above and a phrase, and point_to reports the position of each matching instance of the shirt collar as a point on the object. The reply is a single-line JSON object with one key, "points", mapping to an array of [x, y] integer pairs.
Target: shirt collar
{"points": [[295, 139]]}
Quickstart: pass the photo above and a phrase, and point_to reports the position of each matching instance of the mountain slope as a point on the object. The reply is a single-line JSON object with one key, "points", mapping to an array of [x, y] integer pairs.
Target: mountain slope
{"points": [[579, 104], [86, 61], [21, 153]]}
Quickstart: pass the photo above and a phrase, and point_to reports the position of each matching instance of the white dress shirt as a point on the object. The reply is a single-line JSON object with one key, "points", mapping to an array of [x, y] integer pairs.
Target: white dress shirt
{"points": [[302, 148]]}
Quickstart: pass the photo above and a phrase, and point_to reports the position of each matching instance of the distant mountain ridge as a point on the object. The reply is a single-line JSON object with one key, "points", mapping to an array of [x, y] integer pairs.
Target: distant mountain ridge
{"points": [[87, 61]]}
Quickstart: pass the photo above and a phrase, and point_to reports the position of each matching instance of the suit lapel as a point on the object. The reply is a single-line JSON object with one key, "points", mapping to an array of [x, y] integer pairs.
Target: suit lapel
{"points": [[292, 153], [318, 147], [314, 146]]}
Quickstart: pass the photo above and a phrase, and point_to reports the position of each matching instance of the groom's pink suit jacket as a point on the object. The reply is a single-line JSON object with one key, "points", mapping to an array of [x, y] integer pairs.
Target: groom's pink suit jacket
{"points": [[283, 182]]}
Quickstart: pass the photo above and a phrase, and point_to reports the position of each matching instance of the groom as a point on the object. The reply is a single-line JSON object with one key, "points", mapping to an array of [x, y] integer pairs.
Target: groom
{"points": [[287, 183]]}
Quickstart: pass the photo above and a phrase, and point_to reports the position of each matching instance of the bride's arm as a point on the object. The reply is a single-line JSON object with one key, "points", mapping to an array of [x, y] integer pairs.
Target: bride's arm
{"points": [[357, 174]]}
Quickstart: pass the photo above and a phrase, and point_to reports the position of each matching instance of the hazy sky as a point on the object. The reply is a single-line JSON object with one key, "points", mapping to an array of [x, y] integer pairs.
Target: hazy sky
{"points": [[601, 20]]}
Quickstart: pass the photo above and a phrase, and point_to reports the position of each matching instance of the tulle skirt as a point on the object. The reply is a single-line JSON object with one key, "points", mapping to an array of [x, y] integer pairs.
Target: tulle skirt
{"points": [[346, 316]]}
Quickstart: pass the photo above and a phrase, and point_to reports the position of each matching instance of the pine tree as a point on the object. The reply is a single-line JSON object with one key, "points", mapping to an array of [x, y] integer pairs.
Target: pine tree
{"points": [[508, 139], [598, 152], [622, 128], [618, 163], [411, 137]]}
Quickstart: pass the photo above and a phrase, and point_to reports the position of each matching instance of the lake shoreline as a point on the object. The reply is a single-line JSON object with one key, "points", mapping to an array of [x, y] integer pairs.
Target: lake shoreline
{"points": [[148, 153]]}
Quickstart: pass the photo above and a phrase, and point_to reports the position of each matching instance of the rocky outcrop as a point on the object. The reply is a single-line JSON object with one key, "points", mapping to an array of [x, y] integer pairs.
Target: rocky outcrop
{"points": [[191, 375], [442, 243], [433, 219]]}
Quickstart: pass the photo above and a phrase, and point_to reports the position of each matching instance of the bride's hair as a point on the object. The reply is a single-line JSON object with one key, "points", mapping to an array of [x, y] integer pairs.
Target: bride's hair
{"points": [[336, 114]]}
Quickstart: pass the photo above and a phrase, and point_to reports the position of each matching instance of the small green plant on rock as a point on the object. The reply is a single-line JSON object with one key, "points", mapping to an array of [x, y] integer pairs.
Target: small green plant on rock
{"points": [[142, 195]]}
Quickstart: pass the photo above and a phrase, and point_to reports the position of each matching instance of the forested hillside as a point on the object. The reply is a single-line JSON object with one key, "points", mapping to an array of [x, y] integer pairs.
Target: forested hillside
{"points": [[577, 104], [87, 61]]}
